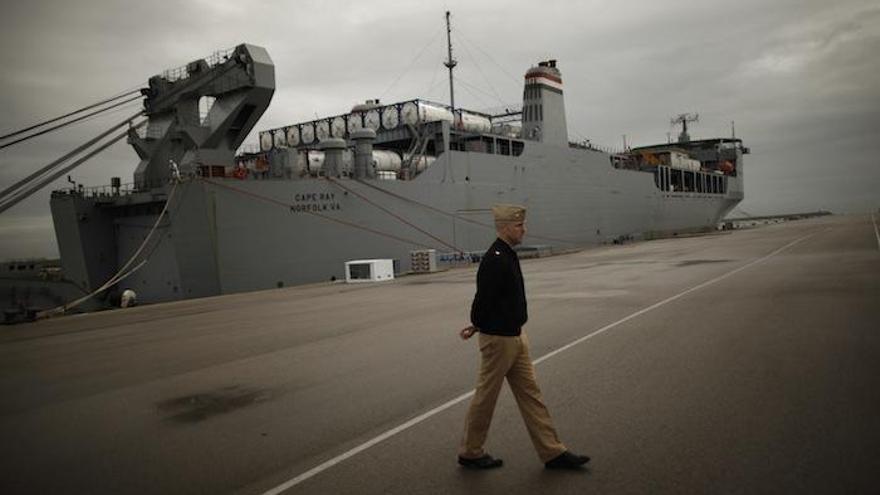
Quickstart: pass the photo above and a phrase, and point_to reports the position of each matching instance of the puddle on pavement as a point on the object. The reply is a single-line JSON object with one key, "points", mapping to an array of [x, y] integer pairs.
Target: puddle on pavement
{"points": [[199, 407]]}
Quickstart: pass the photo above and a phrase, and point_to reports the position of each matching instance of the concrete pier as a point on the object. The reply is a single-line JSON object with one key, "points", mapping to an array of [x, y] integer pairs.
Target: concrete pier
{"points": [[735, 362]]}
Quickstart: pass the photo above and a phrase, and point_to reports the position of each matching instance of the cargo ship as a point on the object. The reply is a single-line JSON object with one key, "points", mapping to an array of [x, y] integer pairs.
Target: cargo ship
{"points": [[379, 181]]}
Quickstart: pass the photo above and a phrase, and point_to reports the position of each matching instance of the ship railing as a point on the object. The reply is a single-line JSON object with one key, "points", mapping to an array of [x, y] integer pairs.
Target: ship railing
{"points": [[213, 60], [219, 57], [589, 145], [175, 74], [109, 190]]}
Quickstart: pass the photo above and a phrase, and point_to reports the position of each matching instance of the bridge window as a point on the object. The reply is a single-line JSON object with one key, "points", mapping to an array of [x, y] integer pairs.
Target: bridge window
{"points": [[676, 180], [517, 147], [489, 145]]}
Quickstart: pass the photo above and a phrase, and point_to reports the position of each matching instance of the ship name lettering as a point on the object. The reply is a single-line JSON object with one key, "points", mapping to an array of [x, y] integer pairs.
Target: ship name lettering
{"points": [[312, 197], [315, 207]]}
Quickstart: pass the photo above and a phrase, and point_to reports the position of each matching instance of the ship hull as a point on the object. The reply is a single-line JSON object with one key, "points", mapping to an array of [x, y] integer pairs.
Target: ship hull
{"points": [[224, 235]]}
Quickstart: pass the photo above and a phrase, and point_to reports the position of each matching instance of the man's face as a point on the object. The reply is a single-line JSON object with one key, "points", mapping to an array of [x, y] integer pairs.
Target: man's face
{"points": [[514, 232]]}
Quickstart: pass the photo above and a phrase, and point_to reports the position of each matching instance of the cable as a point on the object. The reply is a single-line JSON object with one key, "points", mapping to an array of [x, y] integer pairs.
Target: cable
{"points": [[314, 213], [150, 234], [67, 156], [401, 219], [121, 274], [412, 62], [128, 107], [486, 79], [471, 89], [24, 193], [11, 190], [83, 109], [69, 122], [448, 214], [459, 33], [433, 81]]}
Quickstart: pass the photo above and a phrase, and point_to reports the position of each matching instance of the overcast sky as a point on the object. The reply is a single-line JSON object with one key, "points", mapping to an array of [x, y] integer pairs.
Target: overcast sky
{"points": [[801, 79]]}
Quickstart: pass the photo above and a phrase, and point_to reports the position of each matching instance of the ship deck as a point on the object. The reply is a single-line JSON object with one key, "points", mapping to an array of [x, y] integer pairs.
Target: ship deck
{"points": [[745, 361]]}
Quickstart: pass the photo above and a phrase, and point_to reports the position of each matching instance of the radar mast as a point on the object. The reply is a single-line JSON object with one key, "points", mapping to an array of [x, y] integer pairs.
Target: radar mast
{"points": [[683, 119]]}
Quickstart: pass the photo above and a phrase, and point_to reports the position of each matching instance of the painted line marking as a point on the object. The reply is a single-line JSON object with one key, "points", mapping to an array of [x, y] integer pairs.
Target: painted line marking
{"points": [[876, 232], [366, 445], [461, 398], [669, 300]]}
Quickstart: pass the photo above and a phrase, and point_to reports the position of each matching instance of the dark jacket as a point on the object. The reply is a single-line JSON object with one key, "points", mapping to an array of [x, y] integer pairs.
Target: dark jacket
{"points": [[499, 307]]}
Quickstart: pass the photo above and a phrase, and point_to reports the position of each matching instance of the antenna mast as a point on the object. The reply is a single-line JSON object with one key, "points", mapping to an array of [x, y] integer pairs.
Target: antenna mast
{"points": [[450, 63], [683, 119]]}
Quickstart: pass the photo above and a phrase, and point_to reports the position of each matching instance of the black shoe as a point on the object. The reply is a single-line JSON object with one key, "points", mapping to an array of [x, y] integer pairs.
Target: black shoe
{"points": [[567, 460], [485, 462]]}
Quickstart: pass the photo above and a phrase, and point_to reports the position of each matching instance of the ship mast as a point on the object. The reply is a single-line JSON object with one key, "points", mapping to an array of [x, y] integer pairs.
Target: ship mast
{"points": [[683, 119], [450, 63]]}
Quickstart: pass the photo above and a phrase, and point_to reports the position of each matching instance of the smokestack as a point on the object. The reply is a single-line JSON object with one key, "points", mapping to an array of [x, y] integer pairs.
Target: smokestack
{"points": [[544, 105]]}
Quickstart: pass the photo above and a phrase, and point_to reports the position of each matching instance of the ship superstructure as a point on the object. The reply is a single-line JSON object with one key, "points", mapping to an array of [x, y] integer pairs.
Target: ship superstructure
{"points": [[378, 181]]}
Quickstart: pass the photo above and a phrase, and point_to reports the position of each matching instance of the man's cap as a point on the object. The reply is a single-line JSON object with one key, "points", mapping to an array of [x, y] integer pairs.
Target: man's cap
{"points": [[509, 213]]}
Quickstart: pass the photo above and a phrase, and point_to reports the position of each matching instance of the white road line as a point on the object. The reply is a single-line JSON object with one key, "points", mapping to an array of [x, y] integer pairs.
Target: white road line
{"points": [[461, 398], [876, 232], [668, 300], [364, 446]]}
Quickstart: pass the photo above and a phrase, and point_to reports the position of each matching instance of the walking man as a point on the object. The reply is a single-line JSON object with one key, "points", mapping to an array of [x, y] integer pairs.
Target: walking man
{"points": [[498, 314]]}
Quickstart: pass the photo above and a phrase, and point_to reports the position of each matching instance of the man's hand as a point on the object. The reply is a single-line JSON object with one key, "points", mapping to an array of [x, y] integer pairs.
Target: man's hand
{"points": [[467, 333]]}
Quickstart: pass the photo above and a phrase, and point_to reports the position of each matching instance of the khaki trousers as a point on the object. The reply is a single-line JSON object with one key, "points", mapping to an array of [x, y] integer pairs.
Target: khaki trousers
{"points": [[508, 357]]}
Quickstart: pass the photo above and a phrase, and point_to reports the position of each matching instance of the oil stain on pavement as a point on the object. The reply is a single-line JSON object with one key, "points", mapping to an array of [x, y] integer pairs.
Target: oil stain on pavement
{"points": [[198, 407]]}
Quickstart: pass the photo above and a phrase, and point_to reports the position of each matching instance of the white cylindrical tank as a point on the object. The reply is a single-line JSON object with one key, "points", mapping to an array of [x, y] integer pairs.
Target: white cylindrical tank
{"points": [[372, 119], [265, 140], [385, 160], [293, 136], [422, 163], [472, 122], [307, 132], [390, 119], [508, 129], [361, 117], [355, 121], [280, 138], [415, 112], [322, 130], [337, 127]]}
